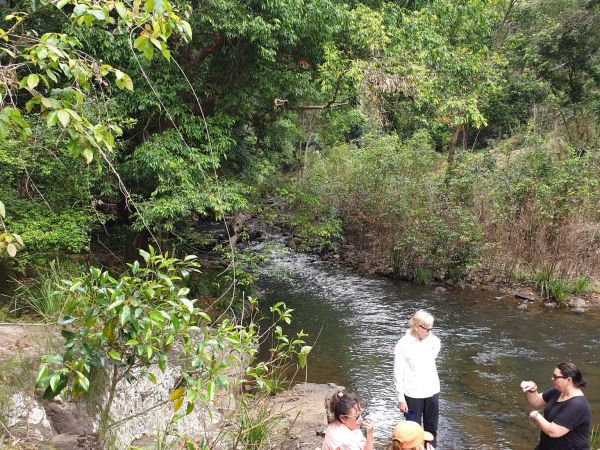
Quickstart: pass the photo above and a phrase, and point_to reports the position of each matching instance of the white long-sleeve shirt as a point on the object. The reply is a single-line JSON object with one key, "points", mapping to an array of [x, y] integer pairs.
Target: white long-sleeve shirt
{"points": [[415, 372]]}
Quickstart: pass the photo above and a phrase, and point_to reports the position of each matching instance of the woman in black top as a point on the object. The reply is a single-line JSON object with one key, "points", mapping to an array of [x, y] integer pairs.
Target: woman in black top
{"points": [[565, 424]]}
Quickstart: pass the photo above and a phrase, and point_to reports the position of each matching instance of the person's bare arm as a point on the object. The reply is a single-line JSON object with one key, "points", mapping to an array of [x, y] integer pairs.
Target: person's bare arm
{"points": [[534, 398], [552, 429], [368, 425]]}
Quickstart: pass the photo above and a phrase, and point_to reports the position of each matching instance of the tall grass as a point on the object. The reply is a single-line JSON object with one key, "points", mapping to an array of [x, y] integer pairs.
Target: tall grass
{"points": [[595, 437], [257, 425], [421, 275], [40, 296], [580, 285]]}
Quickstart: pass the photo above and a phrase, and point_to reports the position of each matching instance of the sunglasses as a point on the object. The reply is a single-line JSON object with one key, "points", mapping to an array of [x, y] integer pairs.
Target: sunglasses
{"points": [[363, 414], [426, 329], [352, 417]]}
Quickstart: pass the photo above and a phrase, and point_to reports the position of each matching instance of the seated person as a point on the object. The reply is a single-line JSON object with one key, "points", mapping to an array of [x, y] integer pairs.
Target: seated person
{"points": [[408, 435], [344, 432]]}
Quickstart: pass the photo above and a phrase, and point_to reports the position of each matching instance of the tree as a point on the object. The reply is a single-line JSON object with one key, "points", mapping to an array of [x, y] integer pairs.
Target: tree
{"points": [[440, 62], [48, 76]]}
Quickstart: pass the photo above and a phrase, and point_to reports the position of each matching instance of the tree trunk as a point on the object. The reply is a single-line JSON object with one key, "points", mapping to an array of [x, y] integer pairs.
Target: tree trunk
{"points": [[452, 146]]}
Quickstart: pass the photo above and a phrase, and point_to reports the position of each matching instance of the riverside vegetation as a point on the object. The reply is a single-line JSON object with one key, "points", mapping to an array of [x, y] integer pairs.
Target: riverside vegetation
{"points": [[442, 140]]}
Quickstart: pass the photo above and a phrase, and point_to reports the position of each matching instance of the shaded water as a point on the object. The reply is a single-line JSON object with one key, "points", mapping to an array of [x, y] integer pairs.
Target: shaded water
{"points": [[488, 347]]}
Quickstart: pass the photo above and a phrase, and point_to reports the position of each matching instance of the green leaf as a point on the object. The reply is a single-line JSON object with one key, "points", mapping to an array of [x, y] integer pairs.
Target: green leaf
{"points": [[127, 83], [121, 10], [116, 303], [165, 51], [114, 355], [302, 356], [140, 43], [97, 13], [61, 3], [188, 304], [54, 381], [51, 119], [83, 381], [144, 255], [33, 80], [149, 6], [80, 10], [88, 154], [64, 117], [46, 102], [41, 375], [190, 408], [159, 7], [187, 30], [210, 390], [156, 316], [124, 315], [66, 320]]}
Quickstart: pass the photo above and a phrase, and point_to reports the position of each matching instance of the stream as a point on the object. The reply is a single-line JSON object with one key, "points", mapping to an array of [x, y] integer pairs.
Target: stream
{"points": [[488, 347]]}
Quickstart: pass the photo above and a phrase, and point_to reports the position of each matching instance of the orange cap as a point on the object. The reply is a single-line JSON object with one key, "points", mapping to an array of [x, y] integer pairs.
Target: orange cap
{"points": [[410, 434]]}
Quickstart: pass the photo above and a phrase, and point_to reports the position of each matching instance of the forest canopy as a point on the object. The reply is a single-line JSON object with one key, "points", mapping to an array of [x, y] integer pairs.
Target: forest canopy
{"points": [[122, 117]]}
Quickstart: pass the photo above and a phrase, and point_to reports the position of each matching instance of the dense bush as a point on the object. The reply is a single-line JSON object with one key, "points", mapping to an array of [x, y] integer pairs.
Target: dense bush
{"points": [[393, 201]]}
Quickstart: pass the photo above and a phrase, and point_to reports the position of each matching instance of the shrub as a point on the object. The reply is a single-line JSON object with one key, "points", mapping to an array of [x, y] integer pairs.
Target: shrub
{"points": [[122, 326]]}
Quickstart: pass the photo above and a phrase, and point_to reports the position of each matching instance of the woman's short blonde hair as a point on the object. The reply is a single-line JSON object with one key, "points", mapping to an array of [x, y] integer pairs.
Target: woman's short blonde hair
{"points": [[421, 317]]}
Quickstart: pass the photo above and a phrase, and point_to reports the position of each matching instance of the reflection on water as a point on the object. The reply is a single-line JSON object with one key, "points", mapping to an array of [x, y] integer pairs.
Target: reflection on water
{"points": [[488, 347]]}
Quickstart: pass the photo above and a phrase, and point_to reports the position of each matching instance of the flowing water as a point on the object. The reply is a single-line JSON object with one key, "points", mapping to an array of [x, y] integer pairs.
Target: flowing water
{"points": [[488, 347]]}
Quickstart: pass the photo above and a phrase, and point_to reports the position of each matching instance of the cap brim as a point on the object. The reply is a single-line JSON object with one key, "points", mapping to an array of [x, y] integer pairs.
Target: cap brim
{"points": [[427, 436]]}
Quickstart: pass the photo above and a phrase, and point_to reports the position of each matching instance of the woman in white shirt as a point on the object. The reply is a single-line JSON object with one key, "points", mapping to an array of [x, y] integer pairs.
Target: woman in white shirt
{"points": [[415, 372], [344, 432]]}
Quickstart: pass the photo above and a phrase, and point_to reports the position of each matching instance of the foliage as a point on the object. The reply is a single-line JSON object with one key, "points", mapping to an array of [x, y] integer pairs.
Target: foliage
{"points": [[176, 182], [40, 296], [51, 204], [558, 40], [595, 437], [421, 275], [49, 76], [257, 425], [396, 191], [313, 221], [580, 285], [126, 325]]}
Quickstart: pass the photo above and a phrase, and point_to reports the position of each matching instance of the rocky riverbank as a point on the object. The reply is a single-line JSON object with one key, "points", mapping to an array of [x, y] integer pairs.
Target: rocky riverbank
{"points": [[361, 261], [27, 422]]}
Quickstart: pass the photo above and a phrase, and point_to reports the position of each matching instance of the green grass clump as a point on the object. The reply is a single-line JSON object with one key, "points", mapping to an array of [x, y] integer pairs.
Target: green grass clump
{"points": [[580, 285], [421, 275], [41, 296]]}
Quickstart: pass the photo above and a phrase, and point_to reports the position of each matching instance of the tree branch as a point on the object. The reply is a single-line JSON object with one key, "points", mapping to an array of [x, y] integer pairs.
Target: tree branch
{"points": [[279, 102]]}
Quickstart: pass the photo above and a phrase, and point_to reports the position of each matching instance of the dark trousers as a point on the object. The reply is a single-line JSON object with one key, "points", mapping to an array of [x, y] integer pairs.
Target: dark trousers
{"points": [[426, 410]]}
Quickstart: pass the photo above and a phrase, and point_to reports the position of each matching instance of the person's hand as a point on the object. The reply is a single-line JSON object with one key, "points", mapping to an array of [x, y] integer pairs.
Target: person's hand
{"points": [[528, 386], [368, 425], [403, 407], [534, 417]]}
